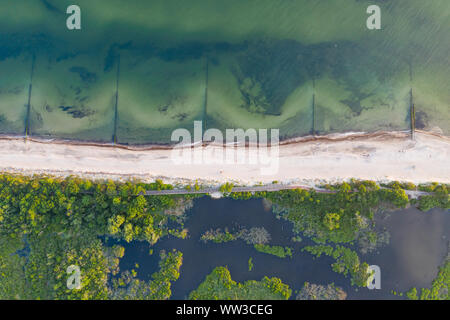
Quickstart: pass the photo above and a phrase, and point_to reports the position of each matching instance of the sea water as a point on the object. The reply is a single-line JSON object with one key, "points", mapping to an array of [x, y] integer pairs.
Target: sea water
{"points": [[137, 70]]}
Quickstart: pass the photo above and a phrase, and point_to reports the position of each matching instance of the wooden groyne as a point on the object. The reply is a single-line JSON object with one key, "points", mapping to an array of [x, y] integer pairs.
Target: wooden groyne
{"points": [[412, 116], [116, 103], [313, 126], [205, 104], [412, 109], [30, 88]]}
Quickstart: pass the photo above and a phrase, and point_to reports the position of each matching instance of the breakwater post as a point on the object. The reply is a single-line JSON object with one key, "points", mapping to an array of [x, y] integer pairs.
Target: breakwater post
{"points": [[314, 109], [30, 87], [413, 116], [116, 103], [412, 109], [205, 105]]}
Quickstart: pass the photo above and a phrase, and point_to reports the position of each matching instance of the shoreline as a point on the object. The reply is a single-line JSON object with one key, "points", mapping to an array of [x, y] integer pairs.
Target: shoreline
{"points": [[380, 156], [163, 146]]}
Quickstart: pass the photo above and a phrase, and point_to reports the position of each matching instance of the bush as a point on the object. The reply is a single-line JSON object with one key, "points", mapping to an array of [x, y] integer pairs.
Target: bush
{"points": [[255, 236], [274, 250]]}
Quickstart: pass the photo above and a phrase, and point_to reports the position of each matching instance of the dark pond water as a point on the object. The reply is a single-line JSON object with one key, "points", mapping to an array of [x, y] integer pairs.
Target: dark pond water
{"points": [[417, 247]]}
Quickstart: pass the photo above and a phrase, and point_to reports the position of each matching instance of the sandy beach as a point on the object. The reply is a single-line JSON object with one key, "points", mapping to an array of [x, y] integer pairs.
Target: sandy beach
{"points": [[381, 157]]}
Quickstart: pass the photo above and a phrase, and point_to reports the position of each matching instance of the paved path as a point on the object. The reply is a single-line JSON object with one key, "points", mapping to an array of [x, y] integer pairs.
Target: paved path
{"points": [[267, 188]]}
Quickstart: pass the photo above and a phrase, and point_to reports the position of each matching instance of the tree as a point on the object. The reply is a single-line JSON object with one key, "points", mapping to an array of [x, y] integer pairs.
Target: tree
{"points": [[331, 221]]}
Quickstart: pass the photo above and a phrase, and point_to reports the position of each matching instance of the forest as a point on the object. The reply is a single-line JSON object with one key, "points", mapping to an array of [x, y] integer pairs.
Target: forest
{"points": [[49, 223], [220, 286]]}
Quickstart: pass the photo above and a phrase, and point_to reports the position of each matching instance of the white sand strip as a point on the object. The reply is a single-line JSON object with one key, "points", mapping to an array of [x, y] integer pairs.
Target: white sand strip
{"points": [[380, 158]]}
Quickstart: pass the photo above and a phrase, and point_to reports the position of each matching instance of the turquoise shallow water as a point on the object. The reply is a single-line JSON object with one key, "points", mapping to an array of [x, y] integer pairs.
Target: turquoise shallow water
{"points": [[302, 66]]}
